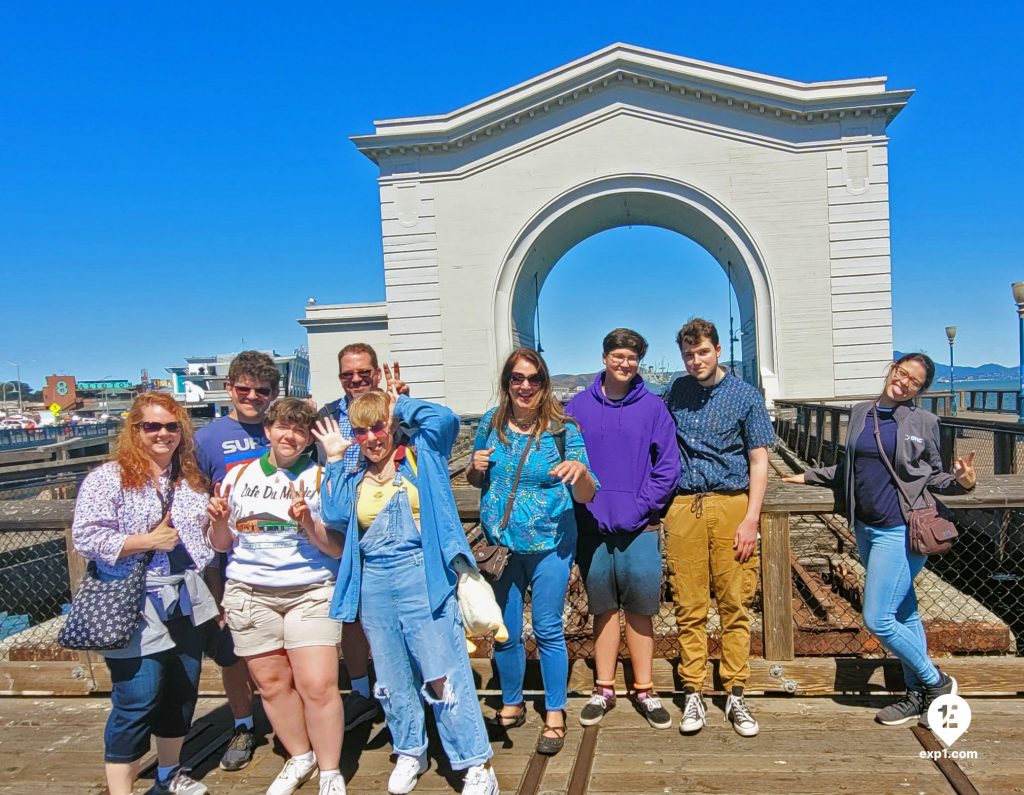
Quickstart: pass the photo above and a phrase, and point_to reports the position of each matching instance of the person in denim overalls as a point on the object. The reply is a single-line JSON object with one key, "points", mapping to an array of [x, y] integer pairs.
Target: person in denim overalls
{"points": [[397, 577]]}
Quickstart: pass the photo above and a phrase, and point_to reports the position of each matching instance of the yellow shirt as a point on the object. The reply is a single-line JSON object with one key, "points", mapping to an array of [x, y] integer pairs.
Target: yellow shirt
{"points": [[373, 498]]}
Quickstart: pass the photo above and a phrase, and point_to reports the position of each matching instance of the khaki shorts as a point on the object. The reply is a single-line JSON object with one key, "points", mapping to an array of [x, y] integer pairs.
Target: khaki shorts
{"points": [[264, 619]]}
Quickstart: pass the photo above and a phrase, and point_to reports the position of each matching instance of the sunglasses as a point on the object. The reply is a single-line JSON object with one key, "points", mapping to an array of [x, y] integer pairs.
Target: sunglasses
{"points": [[243, 391], [156, 427], [362, 434], [355, 375], [533, 380]]}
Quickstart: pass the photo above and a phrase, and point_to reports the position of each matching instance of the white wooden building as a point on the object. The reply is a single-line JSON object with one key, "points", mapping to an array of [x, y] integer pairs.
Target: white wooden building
{"points": [[783, 182]]}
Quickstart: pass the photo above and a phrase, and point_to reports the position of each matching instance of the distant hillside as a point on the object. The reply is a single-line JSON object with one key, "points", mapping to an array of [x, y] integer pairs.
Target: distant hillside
{"points": [[984, 372], [571, 381]]}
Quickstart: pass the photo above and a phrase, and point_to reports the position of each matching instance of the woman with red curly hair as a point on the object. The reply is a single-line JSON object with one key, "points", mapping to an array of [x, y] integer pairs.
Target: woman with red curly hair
{"points": [[151, 500]]}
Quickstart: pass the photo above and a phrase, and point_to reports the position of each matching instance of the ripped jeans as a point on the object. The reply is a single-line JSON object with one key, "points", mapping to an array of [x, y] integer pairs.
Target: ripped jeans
{"points": [[411, 648]]}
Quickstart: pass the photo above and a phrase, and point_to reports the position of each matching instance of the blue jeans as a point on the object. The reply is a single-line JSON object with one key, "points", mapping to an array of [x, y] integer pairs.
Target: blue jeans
{"points": [[411, 647], [155, 694], [890, 604], [546, 574]]}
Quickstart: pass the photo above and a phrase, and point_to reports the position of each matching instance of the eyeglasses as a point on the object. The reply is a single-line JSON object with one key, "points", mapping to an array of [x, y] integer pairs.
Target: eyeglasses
{"points": [[156, 427], [534, 380], [621, 358], [362, 434], [355, 375], [903, 375], [243, 391]]}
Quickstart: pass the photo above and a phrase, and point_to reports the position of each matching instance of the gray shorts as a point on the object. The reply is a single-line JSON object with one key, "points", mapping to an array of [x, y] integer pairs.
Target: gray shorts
{"points": [[621, 570]]}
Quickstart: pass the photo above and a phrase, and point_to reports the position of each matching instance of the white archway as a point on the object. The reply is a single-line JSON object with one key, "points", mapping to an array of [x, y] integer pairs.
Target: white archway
{"points": [[640, 199], [784, 183]]}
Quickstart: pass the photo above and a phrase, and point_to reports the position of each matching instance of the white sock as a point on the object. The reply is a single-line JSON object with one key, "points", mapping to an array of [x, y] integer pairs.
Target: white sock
{"points": [[246, 722], [361, 685], [326, 775], [164, 773], [305, 759]]}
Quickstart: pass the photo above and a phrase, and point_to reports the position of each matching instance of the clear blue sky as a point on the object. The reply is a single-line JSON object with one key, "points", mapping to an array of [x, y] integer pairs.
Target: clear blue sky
{"points": [[175, 177]]}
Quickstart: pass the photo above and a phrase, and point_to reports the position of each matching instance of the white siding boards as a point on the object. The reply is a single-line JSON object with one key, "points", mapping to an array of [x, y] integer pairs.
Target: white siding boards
{"points": [[858, 213], [785, 183]]}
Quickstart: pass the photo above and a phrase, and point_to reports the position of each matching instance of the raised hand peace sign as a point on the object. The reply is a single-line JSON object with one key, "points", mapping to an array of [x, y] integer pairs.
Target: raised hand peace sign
{"points": [[393, 378], [299, 508], [218, 509], [963, 471]]}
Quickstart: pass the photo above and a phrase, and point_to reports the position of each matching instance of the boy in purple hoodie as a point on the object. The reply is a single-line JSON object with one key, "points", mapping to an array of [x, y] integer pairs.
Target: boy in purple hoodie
{"points": [[631, 442]]}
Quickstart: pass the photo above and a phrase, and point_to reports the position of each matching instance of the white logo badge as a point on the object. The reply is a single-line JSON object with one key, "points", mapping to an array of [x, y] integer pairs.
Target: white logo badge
{"points": [[949, 716]]}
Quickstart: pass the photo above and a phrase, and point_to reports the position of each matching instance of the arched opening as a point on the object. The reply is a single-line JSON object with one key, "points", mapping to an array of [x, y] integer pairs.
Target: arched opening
{"points": [[644, 200], [642, 277]]}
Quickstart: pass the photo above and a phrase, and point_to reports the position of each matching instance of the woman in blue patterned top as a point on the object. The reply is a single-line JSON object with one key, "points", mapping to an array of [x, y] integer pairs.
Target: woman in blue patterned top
{"points": [[538, 526]]}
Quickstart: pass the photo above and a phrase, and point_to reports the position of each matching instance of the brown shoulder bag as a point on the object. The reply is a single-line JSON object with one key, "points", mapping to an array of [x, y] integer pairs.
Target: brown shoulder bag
{"points": [[929, 533]]}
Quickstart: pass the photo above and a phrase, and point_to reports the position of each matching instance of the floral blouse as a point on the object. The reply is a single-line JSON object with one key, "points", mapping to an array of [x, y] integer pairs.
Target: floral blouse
{"points": [[542, 512], [106, 514]]}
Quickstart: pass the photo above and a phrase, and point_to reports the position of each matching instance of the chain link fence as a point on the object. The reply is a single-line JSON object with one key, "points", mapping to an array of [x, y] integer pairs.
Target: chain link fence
{"points": [[35, 592], [971, 600]]}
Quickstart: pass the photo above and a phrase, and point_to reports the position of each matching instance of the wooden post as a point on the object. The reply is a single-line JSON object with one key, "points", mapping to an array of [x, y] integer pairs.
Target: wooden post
{"points": [[819, 432], [1003, 446], [947, 445], [76, 563], [805, 445], [776, 586], [833, 421]]}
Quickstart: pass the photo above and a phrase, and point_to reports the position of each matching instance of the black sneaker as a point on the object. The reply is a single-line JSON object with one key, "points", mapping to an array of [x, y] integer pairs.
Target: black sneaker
{"points": [[906, 708], [359, 709], [240, 750], [650, 707], [946, 686], [596, 708]]}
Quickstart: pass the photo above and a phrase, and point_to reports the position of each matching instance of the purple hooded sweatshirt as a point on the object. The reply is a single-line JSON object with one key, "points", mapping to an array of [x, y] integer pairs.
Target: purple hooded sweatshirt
{"points": [[631, 444]]}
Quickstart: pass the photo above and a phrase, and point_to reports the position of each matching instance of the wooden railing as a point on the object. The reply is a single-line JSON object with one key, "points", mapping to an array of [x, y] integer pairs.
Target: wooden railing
{"points": [[990, 401], [66, 672], [816, 432]]}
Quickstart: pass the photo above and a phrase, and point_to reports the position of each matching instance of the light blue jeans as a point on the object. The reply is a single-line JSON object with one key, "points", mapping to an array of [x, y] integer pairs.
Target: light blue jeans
{"points": [[890, 604], [412, 647], [546, 574]]}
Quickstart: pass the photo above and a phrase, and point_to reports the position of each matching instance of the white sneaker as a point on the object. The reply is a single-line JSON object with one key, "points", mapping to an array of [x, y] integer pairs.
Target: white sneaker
{"points": [[335, 785], [738, 714], [480, 780], [407, 771], [292, 776], [694, 714]]}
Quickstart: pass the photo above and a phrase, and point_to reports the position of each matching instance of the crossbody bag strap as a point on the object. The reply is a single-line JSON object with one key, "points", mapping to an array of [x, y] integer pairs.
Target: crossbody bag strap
{"points": [[515, 483], [885, 458]]}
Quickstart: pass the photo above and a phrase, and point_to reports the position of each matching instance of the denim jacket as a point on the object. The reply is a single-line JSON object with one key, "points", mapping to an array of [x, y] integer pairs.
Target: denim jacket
{"points": [[432, 429], [918, 463]]}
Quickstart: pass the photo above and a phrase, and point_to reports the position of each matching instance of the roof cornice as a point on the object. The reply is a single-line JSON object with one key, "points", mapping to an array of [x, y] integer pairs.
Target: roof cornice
{"points": [[646, 69]]}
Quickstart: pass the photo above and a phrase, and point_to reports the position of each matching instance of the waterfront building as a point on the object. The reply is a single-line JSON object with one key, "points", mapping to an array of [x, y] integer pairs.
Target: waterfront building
{"points": [[199, 383], [784, 183]]}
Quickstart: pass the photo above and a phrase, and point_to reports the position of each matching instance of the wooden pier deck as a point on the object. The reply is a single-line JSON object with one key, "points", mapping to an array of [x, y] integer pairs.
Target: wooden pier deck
{"points": [[806, 745]]}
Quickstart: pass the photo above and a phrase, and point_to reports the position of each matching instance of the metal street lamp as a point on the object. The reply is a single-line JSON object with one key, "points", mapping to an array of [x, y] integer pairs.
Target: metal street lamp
{"points": [[951, 334], [18, 377], [7, 387], [1018, 297]]}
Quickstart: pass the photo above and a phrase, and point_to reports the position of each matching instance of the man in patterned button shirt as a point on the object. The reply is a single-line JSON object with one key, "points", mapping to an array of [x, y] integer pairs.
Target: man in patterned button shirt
{"points": [[711, 526], [358, 372]]}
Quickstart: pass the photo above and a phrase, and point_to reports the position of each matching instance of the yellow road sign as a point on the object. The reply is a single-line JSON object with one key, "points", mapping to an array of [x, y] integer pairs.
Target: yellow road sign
{"points": [[55, 409]]}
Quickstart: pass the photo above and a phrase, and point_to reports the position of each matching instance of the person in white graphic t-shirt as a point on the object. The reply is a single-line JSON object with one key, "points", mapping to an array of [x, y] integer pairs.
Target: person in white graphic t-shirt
{"points": [[282, 564]]}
